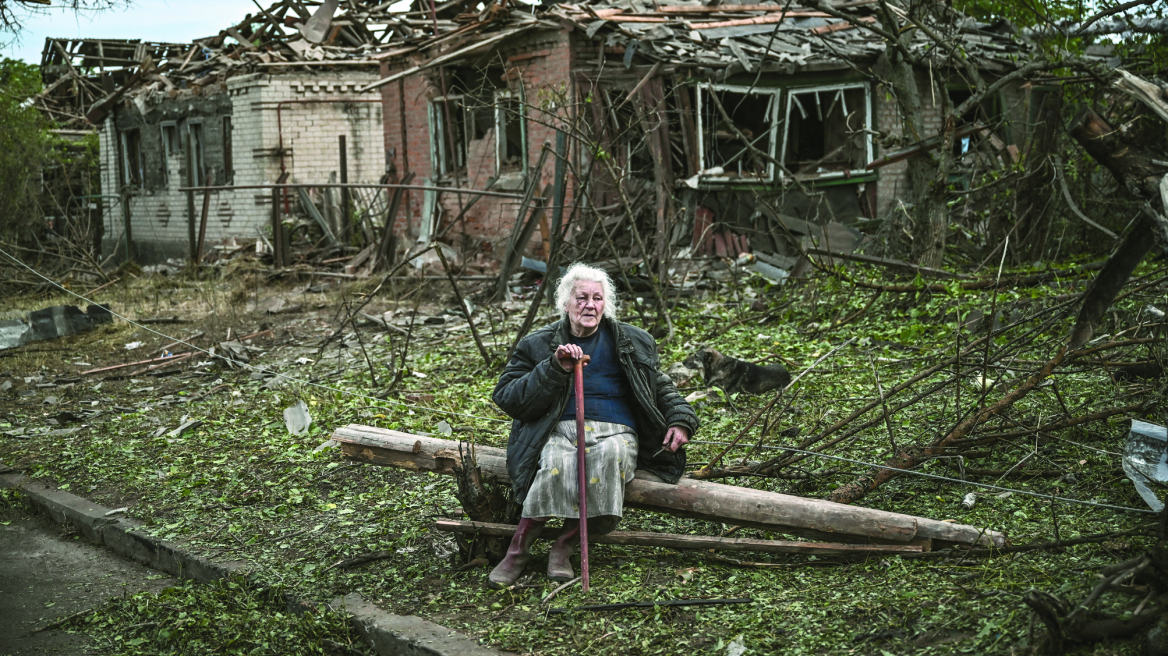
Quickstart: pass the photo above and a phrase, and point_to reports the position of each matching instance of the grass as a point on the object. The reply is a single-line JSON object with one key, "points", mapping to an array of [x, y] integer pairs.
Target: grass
{"points": [[241, 487]]}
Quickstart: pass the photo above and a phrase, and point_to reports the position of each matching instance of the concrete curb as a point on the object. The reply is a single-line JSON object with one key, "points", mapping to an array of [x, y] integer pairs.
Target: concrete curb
{"points": [[407, 635], [388, 634]]}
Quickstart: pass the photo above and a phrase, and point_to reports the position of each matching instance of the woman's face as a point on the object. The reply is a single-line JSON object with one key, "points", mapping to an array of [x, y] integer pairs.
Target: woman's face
{"points": [[585, 307]]}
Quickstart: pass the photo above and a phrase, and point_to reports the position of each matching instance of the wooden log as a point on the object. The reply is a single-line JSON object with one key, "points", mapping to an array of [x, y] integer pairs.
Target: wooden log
{"points": [[814, 518], [675, 541]]}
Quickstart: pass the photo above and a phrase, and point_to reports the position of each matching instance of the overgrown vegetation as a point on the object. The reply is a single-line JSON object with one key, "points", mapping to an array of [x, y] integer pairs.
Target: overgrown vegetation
{"points": [[241, 487]]}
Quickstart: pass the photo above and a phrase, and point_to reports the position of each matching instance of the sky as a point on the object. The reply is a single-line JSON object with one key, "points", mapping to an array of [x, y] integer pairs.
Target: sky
{"points": [[178, 21]]}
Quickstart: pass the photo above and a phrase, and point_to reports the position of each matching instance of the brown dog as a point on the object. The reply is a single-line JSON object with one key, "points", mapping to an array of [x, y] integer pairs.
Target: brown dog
{"points": [[733, 375]]}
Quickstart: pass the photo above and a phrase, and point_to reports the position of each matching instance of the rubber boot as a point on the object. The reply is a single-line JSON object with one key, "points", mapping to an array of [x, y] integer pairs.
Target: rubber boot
{"points": [[511, 567], [560, 558]]}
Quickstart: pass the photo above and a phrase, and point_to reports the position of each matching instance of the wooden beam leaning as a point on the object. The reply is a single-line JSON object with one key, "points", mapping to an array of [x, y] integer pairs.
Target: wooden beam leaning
{"points": [[815, 518], [675, 541]]}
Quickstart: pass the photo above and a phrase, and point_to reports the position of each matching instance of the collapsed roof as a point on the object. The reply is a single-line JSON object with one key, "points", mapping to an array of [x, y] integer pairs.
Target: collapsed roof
{"points": [[713, 41]]}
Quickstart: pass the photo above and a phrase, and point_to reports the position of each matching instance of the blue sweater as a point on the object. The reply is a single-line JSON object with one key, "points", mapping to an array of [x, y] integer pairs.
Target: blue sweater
{"points": [[606, 391]]}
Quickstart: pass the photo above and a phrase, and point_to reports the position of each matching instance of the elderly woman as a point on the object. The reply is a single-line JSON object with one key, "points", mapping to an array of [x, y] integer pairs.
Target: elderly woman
{"points": [[634, 419]]}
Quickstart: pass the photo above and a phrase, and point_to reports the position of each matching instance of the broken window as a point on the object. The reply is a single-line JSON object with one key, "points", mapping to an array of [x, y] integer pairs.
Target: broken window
{"points": [[448, 143], [742, 150], [987, 112], [197, 161], [170, 147], [131, 146], [827, 130], [631, 154], [474, 118], [510, 137]]}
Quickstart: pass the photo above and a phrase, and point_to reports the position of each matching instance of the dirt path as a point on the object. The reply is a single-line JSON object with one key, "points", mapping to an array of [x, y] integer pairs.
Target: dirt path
{"points": [[46, 576]]}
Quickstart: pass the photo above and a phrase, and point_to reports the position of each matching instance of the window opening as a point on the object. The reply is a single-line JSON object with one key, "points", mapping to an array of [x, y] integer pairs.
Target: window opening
{"points": [[170, 147], [827, 130], [633, 157], [198, 163], [510, 137], [737, 153], [987, 112], [449, 154], [131, 157]]}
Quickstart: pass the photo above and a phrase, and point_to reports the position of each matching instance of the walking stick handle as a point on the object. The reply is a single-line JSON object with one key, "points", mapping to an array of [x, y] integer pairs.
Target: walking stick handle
{"points": [[581, 471]]}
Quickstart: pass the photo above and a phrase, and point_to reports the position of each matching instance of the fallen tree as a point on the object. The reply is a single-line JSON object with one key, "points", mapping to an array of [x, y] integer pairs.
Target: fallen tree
{"points": [[813, 518]]}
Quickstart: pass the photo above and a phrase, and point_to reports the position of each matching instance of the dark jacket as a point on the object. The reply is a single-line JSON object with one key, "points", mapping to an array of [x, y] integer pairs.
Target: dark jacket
{"points": [[533, 391]]}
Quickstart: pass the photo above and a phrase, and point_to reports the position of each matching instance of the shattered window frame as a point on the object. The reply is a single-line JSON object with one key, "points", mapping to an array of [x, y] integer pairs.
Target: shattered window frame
{"points": [[990, 111], [630, 147], [439, 142], [131, 155], [772, 111], [789, 101], [197, 136], [503, 98]]}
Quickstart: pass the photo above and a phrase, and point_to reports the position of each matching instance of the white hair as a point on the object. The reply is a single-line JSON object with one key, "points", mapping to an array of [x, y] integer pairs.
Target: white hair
{"points": [[579, 272]]}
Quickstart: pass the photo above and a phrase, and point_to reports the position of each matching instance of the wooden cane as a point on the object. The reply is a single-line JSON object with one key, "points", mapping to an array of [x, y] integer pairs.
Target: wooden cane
{"points": [[581, 472]]}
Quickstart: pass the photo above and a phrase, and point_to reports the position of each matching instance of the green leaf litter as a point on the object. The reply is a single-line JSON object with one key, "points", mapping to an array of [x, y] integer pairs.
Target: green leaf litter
{"points": [[240, 487]]}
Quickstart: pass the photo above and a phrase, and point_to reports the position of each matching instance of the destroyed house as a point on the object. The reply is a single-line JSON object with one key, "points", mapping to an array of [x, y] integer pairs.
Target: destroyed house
{"points": [[723, 129], [643, 93], [226, 112]]}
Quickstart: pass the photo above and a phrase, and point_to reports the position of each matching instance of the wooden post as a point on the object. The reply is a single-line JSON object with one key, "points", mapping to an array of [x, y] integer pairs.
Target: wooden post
{"points": [[126, 227], [559, 193], [203, 219], [344, 223], [192, 181], [514, 245], [278, 260]]}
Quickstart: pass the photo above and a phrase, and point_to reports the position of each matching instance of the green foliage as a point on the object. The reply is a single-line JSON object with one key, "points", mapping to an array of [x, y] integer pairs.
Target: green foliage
{"points": [[241, 488], [225, 617], [23, 146]]}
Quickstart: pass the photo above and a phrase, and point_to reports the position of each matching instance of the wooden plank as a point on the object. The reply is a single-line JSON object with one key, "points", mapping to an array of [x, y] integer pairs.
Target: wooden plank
{"points": [[840, 26], [757, 20], [676, 541], [723, 9], [784, 513], [446, 57]]}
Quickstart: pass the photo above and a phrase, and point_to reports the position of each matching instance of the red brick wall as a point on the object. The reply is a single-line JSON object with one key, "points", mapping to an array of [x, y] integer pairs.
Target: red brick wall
{"points": [[540, 64]]}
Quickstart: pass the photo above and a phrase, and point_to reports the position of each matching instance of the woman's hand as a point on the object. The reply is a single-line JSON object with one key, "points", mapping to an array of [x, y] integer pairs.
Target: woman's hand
{"points": [[567, 355], [675, 438]]}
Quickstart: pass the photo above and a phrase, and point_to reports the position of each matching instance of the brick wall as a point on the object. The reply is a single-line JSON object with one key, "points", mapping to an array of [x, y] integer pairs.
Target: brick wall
{"points": [[535, 68], [258, 123], [893, 182]]}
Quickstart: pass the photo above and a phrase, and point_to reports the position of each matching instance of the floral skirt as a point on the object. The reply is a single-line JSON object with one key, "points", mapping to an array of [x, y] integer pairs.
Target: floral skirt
{"points": [[610, 461]]}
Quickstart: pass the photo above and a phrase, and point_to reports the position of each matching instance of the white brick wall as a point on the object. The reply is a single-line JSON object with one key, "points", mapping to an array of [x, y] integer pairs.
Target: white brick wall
{"points": [[310, 131]]}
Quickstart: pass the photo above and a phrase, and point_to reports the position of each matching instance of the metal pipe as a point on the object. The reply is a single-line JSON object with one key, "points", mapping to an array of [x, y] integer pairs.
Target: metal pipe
{"points": [[351, 185]]}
